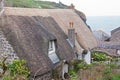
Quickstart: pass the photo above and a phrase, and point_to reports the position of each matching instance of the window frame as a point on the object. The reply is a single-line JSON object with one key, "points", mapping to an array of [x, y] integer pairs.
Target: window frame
{"points": [[52, 52]]}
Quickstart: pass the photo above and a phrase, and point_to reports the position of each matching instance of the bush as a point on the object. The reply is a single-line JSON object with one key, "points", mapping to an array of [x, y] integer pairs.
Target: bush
{"points": [[107, 71], [107, 74], [72, 72], [116, 77], [18, 67], [112, 66], [17, 71], [99, 57]]}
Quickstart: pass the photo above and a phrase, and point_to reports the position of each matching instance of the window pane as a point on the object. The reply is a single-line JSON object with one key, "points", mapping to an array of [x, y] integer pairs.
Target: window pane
{"points": [[51, 45], [54, 57]]}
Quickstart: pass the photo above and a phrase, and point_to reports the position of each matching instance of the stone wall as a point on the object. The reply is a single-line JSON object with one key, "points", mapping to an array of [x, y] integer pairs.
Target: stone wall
{"points": [[6, 50]]}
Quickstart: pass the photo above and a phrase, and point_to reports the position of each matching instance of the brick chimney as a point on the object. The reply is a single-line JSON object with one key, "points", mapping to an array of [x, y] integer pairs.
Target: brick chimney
{"points": [[71, 34], [72, 7]]}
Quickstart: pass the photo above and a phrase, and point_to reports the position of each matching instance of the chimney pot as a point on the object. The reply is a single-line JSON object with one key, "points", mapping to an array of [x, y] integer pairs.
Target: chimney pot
{"points": [[71, 24], [72, 7]]}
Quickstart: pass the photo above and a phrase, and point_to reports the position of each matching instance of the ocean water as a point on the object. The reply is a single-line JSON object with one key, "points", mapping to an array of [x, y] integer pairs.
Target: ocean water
{"points": [[105, 23]]}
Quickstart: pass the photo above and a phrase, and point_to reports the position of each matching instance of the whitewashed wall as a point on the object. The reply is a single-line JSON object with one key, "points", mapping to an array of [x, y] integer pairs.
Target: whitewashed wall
{"points": [[87, 57]]}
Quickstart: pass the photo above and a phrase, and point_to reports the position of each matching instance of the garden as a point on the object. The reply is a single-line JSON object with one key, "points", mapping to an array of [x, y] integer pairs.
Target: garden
{"points": [[103, 67]]}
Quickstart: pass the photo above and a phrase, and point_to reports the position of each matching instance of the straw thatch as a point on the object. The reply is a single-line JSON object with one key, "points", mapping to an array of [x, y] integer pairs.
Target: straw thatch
{"points": [[108, 47], [115, 35], [62, 17], [115, 30], [29, 31], [29, 37], [111, 46], [101, 35]]}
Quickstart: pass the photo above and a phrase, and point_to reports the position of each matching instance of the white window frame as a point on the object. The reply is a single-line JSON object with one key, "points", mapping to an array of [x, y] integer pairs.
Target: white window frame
{"points": [[51, 52], [51, 46]]}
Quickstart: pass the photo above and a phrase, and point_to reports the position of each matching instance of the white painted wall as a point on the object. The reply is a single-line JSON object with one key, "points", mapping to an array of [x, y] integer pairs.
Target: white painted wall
{"points": [[87, 57], [64, 70], [79, 56], [118, 52]]}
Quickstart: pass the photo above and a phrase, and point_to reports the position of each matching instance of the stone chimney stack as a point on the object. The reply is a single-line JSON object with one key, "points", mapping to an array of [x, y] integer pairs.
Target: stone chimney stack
{"points": [[72, 7], [1, 6], [71, 34]]}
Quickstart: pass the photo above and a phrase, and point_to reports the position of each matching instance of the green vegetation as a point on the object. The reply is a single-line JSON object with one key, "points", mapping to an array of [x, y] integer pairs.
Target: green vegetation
{"points": [[16, 71], [29, 4], [18, 67], [21, 3], [101, 71], [41, 5], [72, 72], [116, 77], [99, 56]]}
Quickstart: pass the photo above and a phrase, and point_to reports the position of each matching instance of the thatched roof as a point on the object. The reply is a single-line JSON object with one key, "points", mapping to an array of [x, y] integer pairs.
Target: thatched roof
{"points": [[115, 30], [109, 52], [62, 17], [101, 35], [108, 47], [111, 46], [115, 35], [29, 30], [29, 37]]}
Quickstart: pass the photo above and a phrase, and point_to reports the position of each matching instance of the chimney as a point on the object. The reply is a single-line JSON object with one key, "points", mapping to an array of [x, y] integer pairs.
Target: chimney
{"points": [[72, 7], [71, 34]]}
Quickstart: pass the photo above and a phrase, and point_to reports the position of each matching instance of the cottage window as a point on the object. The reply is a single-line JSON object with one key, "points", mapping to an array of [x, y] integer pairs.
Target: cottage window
{"points": [[52, 53], [51, 45]]}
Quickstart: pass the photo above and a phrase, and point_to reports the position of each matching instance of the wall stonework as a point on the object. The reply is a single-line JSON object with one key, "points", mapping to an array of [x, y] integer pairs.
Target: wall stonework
{"points": [[6, 50]]}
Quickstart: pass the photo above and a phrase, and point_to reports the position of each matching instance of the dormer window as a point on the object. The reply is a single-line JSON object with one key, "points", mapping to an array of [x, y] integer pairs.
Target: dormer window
{"points": [[52, 52], [51, 45]]}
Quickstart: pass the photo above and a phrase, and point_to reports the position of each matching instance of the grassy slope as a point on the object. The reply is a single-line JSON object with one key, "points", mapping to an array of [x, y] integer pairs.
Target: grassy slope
{"points": [[29, 4], [40, 4]]}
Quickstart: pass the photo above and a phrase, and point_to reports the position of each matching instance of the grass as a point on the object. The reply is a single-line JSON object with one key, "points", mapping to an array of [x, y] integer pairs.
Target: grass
{"points": [[101, 71], [30, 4], [116, 77]]}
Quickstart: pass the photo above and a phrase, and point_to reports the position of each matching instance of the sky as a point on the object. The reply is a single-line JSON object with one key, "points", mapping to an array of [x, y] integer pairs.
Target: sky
{"points": [[95, 7]]}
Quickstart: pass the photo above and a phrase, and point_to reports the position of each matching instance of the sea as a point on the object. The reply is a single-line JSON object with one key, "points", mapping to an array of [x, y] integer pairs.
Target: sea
{"points": [[105, 23]]}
